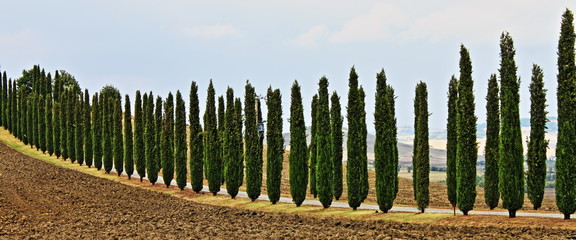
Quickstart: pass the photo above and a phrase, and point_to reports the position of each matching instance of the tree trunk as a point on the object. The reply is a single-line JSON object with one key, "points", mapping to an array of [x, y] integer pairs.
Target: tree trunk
{"points": [[566, 216], [512, 213]]}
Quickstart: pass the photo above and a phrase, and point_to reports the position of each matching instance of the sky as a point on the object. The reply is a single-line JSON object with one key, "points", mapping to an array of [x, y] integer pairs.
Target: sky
{"points": [[162, 46]]}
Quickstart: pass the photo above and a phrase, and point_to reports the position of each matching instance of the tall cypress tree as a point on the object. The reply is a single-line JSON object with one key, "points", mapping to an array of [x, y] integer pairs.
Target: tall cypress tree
{"points": [[221, 134], [7, 109], [252, 147], [421, 156], [71, 124], [385, 154], [324, 161], [354, 144], [79, 129], [235, 165], [41, 104], [491, 194], [56, 119], [180, 146], [298, 150], [275, 144], [64, 126], [211, 146], [88, 153], [537, 145], [167, 141], [49, 125], [452, 141], [565, 152], [139, 146], [128, 138], [363, 145], [2, 102], [5, 91], [196, 141], [150, 139], [337, 139], [467, 152], [28, 118], [312, 147], [107, 131], [158, 122], [511, 165], [97, 131]]}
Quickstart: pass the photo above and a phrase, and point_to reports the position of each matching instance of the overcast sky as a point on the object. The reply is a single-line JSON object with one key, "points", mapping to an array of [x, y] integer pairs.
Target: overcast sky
{"points": [[163, 46]]}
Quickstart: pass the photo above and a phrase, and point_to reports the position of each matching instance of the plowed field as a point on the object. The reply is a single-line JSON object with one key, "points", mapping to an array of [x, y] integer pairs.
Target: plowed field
{"points": [[39, 200]]}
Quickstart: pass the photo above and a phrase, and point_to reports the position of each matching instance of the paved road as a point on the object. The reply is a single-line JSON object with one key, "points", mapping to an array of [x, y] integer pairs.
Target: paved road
{"points": [[373, 207]]}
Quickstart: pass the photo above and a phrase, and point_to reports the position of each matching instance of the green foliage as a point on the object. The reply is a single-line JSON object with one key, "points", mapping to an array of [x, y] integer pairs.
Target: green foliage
{"points": [[139, 146], [211, 144], [118, 144], [150, 139], [70, 125], [221, 132], [88, 153], [421, 155], [275, 144], [385, 152], [233, 144], [41, 106], [167, 141], [491, 194], [511, 165], [467, 153], [252, 141], [107, 134], [363, 146], [128, 138], [565, 151], [337, 139], [324, 161], [537, 145], [196, 141], [180, 146], [158, 125], [452, 140], [312, 147], [96, 131], [355, 143], [78, 130], [298, 150], [49, 135]]}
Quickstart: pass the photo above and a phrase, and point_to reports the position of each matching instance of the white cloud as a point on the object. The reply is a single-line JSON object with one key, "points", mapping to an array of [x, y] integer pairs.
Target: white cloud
{"points": [[212, 31], [312, 36], [376, 24]]}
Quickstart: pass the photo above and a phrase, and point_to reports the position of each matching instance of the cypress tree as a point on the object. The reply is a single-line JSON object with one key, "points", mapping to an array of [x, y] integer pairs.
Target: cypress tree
{"points": [[196, 141], [28, 119], [49, 127], [275, 144], [312, 147], [167, 143], [150, 139], [79, 129], [64, 126], [8, 108], [511, 165], [128, 138], [537, 145], [385, 155], [236, 165], [324, 161], [87, 127], [211, 146], [33, 123], [41, 104], [14, 109], [2, 101], [25, 119], [252, 145], [5, 92], [70, 125], [221, 132], [139, 146], [491, 194], [565, 152], [158, 130], [467, 152], [337, 139], [421, 156], [97, 131], [232, 154], [107, 131], [56, 119], [298, 149], [452, 141], [180, 146], [354, 144], [363, 144]]}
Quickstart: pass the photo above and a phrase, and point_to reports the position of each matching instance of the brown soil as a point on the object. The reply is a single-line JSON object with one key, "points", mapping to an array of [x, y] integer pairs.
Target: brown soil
{"points": [[39, 200]]}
